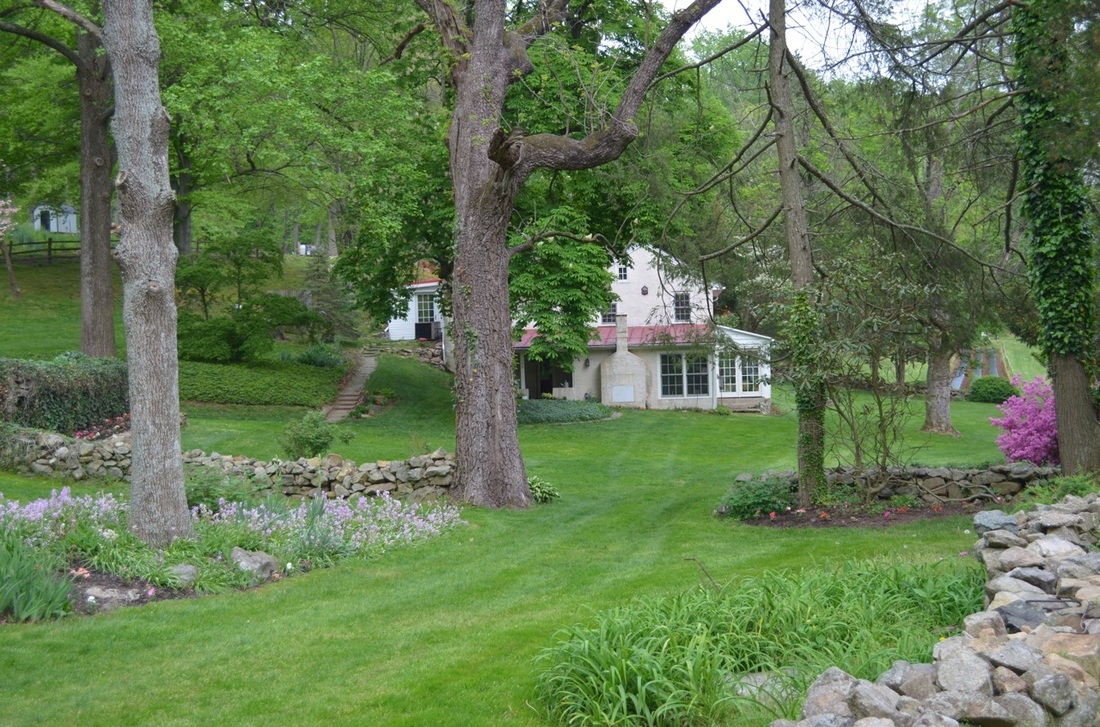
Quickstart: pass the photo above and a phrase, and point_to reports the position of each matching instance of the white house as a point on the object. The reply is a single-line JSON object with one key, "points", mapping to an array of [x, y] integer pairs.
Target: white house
{"points": [[51, 219], [657, 348], [422, 319]]}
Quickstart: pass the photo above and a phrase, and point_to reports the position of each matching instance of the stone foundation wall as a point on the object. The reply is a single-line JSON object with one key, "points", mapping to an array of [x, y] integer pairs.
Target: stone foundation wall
{"points": [[423, 477], [1030, 659], [934, 484]]}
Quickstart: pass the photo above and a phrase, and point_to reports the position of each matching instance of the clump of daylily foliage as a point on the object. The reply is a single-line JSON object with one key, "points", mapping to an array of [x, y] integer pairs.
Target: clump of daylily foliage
{"points": [[46, 543]]}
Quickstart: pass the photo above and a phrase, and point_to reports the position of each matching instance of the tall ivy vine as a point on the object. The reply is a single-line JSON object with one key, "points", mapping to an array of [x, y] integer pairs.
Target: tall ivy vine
{"points": [[1055, 200]]}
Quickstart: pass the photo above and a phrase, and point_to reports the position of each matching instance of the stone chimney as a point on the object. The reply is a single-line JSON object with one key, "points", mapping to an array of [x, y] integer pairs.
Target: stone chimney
{"points": [[621, 334]]}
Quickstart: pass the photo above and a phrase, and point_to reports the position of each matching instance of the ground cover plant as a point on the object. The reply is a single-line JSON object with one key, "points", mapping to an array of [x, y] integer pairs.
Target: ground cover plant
{"points": [[556, 411], [263, 383], [696, 658], [40, 539]]}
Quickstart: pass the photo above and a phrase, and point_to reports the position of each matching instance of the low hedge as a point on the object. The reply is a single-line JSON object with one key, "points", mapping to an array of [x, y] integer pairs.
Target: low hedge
{"points": [[557, 411], [991, 390], [69, 393], [282, 383]]}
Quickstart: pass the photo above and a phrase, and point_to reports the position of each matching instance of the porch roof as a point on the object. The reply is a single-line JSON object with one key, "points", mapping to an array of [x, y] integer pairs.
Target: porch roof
{"points": [[677, 334]]}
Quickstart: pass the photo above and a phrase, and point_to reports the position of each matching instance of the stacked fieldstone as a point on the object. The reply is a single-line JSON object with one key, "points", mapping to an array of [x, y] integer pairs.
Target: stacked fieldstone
{"points": [[1031, 659], [426, 353], [932, 484], [423, 477]]}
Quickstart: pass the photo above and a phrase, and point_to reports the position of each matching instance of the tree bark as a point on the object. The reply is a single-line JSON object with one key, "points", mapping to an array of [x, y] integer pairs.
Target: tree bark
{"points": [[937, 405], [1078, 428], [11, 270], [97, 297], [147, 259], [181, 223], [810, 386]]}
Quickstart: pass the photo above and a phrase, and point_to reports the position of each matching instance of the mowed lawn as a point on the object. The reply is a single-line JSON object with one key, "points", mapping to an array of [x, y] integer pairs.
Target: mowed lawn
{"points": [[448, 633]]}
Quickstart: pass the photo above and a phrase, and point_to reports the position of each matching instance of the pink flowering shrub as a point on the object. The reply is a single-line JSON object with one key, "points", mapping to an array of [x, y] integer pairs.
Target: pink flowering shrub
{"points": [[1029, 430]]}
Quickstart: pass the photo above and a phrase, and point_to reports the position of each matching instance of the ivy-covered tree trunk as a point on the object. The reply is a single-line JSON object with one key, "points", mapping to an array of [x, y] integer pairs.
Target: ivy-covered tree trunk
{"points": [[802, 328], [489, 165], [147, 259], [1061, 261]]}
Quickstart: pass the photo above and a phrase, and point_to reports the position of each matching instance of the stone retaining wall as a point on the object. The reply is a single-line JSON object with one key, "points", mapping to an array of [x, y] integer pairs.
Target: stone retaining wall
{"points": [[1030, 659], [427, 353], [418, 478], [934, 484]]}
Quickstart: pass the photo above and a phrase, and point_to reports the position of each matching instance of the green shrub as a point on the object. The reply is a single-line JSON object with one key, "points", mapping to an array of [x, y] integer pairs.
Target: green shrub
{"points": [[746, 500], [222, 340], [541, 490], [1057, 489], [70, 393], [206, 486], [557, 411], [677, 661], [322, 356], [991, 390], [311, 436], [30, 590], [266, 383]]}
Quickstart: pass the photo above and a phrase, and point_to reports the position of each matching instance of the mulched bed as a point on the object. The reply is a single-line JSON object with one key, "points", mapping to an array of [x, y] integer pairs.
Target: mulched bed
{"points": [[849, 517], [146, 593]]}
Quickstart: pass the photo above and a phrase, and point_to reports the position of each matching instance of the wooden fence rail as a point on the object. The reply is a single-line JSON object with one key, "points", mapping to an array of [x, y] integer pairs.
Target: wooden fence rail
{"points": [[24, 251]]}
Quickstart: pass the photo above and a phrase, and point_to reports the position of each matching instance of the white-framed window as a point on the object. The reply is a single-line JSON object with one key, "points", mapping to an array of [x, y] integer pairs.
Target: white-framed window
{"points": [[750, 374], [609, 314], [738, 374], [681, 307], [684, 374], [425, 308], [624, 272], [727, 374]]}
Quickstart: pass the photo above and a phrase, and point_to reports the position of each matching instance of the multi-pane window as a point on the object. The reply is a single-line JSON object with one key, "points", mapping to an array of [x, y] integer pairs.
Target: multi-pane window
{"points": [[684, 375], [696, 375], [624, 272], [750, 374], [672, 374], [727, 374], [609, 314], [425, 308], [681, 307], [738, 375]]}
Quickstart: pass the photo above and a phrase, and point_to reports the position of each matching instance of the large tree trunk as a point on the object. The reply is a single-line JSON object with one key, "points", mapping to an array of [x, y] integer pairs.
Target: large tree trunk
{"points": [[1078, 428], [937, 403], [490, 466], [147, 259], [810, 394], [488, 168], [1061, 263], [97, 298]]}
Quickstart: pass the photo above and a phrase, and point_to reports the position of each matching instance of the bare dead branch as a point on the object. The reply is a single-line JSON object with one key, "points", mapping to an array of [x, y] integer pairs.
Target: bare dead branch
{"points": [[744, 240]]}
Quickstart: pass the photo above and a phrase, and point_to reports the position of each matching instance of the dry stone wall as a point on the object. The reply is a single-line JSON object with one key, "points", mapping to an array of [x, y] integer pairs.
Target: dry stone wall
{"points": [[934, 484], [422, 477], [1030, 659]]}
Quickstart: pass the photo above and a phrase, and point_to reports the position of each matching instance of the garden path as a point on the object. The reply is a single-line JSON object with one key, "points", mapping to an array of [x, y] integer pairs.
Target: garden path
{"points": [[366, 361]]}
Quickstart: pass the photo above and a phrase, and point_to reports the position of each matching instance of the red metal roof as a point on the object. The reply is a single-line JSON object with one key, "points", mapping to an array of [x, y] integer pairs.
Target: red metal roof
{"points": [[637, 336]]}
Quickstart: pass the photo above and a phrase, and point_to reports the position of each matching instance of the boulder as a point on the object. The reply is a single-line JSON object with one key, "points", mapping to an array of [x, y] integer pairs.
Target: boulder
{"points": [[262, 565]]}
